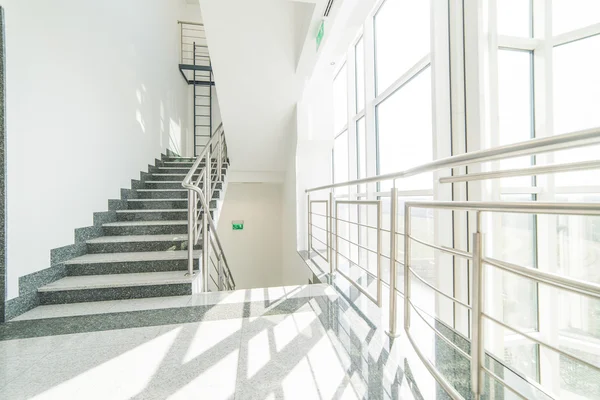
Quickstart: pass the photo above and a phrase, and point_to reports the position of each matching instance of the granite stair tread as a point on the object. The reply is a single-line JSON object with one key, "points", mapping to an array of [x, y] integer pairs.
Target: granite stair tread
{"points": [[132, 256], [161, 190], [183, 211], [119, 280], [138, 238], [145, 223], [156, 200]]}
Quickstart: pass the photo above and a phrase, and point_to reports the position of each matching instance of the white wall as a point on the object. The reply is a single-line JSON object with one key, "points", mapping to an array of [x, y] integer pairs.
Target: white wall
{"points": [[254, 254], [93, 96]]}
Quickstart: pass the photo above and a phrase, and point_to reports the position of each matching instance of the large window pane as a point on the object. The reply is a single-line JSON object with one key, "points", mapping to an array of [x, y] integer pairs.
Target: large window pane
{"points": [[340, 100], [340, 161], [514, 17], [360, 75], [404, 131], [568, 15], [401, 38], [361, 148], [514, 107], [577, 102]]}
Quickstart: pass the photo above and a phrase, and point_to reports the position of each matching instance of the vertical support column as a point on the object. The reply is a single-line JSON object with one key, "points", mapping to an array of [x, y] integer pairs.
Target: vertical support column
{"points": [[205, 251], [378, 253], [477, 343], [406, 267], [191, 231], [220, 273], [194, 94], [219, 157], [309, 226], [393, 256], [330, 232]]}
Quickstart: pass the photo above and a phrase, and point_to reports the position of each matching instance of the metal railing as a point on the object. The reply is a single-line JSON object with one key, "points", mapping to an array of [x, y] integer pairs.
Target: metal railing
{"points": [[193, 45], [201, 182], [476, 256]]}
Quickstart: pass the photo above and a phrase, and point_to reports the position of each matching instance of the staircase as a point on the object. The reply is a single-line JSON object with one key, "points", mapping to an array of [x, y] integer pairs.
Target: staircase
{"points": [[143, 251]]}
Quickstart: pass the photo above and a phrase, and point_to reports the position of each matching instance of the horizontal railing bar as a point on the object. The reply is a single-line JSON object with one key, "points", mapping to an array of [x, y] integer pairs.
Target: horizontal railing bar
{"points": [[440, 334], [501, 381], [190, 23], [448, 388], [357, 265], [444, 249], [541, 342], [359, 287], [437, 290], [528, 147], [531, 207], [356, 244], [319, 201], [319, 252], [350, 222], [318, 227], [318, 240], [561, 282], [539, 170], [358, 202]]}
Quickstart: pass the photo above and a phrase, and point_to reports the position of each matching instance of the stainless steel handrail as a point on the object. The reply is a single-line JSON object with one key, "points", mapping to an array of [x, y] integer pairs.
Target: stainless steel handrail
{"points": [[533, 146], [476, 255], [217, 148]]}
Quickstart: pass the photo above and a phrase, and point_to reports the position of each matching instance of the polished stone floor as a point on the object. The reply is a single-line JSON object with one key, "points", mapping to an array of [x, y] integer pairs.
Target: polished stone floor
{"points": [[303, 342]]}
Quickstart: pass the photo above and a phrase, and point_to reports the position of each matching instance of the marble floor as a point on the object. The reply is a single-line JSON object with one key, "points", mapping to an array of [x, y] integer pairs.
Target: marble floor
{"points": [[307, 342], [251, 344]]}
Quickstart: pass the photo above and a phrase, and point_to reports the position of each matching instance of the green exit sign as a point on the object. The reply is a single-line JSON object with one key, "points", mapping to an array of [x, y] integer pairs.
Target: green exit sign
{"points": [[237, 225], [320, 34]]}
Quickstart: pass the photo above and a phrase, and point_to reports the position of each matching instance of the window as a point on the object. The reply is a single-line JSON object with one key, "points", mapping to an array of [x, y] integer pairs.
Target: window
{"points": [[340, 161], [340, 100], [359, 55], [402, 38], [404, 131], [514, 18]]}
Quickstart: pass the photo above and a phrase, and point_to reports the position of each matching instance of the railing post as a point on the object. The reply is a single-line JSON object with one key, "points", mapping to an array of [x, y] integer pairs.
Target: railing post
{"points": [[220, 273], [205, 251], [379, 253], [477, 342], [406, 267], [309, 226], [191, 231], [393, 266], [330, 231]]}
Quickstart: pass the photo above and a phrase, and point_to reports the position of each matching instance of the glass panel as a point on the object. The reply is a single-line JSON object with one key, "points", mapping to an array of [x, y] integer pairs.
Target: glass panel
{"points": [[578, 256], [513, 299], [361, 152], [568, 15], [340, 100], [401, 39], [576, 103], [340, 161], [514, 108], [405, 132], [360, 75], [514, 17]]}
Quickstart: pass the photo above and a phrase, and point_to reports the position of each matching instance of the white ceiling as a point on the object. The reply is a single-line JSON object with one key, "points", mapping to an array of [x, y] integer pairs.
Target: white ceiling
{"points": [[255, 46]]}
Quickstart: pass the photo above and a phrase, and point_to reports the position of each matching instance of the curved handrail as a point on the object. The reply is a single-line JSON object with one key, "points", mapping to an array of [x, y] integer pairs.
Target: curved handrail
{"points": [[216, 143]]}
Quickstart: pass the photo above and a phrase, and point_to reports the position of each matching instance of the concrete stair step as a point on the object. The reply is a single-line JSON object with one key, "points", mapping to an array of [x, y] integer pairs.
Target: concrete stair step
{"points": [[145, 227], [131, 262], [153, 184], [153, 215], [172, 176], [77, 289], [162, 204], [137, 243]]}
